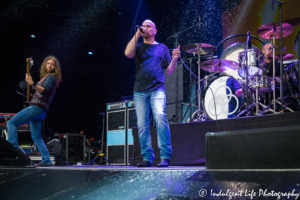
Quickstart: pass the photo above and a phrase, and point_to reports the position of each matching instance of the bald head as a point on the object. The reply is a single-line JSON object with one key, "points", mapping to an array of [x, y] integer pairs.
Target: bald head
{"points": [[267, 50], [150, 22], [149, 36]]}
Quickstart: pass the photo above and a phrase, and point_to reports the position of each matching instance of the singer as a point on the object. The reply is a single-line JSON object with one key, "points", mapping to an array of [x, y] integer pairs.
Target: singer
{"points": [[50, 74], [151, 60]]}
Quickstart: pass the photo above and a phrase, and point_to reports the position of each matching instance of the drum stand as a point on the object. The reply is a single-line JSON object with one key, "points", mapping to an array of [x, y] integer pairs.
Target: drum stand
{"points": [[273, 78], [267, 108], [256, 103], [200, 113], [278, 100]]}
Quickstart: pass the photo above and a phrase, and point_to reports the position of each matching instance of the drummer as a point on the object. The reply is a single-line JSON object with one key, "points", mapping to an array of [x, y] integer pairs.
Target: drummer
{"points": [[268, 66]]}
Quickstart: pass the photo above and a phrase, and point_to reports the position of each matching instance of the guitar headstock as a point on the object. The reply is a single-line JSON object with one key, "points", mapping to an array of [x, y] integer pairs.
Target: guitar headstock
{"points": [[30, 63]]}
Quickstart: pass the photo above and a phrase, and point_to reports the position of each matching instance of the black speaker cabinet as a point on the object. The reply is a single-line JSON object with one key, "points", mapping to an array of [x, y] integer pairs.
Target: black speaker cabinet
{"points": [[265, 148], [11, 156], [121, 117], [116, 127]]}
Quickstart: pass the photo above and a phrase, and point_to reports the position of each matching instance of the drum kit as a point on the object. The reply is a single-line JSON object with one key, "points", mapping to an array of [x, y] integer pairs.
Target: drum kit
{"points": [[239, 77]]}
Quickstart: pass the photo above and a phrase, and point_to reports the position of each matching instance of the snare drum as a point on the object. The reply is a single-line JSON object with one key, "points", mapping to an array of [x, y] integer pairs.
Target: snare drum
{"points": [[263, 83], [254, 58], [219, 100]]}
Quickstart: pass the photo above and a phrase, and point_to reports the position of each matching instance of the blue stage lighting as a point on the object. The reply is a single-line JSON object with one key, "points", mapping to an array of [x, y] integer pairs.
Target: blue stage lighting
{"points": [[90, 53], [32, 36]]}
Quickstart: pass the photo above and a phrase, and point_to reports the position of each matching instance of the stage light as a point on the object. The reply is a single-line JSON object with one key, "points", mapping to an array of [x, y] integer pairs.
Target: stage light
{"points": [[120, 13], [32, 36], [90, 53]]}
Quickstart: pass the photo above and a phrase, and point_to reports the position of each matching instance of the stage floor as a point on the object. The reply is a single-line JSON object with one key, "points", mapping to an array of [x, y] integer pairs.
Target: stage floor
{"points": [[126, 182]]}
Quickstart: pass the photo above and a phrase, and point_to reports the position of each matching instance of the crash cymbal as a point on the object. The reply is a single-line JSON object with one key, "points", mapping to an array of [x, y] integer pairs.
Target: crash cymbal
{"points": [[219, 65], [285, 56], [199, 48], [273, 28]]}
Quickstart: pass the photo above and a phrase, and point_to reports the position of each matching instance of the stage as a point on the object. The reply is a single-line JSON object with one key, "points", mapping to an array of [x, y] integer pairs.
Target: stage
{"points": [[189, 143], [174, 182], [116, 182]]}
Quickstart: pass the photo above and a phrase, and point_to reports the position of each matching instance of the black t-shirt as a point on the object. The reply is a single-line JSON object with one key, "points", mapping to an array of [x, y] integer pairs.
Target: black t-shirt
{"points": [[269, 69], [151, 60]]}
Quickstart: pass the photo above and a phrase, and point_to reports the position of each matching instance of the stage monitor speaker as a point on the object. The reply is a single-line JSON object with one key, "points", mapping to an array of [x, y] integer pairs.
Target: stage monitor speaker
{"points": [[265, 148], [11, 156], [55, 146]]}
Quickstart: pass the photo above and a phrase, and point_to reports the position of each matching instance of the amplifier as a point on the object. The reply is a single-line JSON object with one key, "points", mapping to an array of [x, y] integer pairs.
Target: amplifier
{"points": [[120, 118], [131, 122]]}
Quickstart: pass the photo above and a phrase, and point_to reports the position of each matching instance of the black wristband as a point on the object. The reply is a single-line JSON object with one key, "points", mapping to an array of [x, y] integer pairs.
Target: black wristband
{"points": [[34, 84]]}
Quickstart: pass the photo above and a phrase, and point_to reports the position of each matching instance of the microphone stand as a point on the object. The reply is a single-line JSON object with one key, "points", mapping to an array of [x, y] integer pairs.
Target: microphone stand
{"points": [[176, 45], [24, 96], [297, 43], [246, 69], [298, 61], [103, 117], [279, 4]]}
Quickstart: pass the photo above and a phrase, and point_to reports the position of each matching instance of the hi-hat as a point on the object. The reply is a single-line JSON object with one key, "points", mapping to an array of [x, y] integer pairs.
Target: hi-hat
{"points": [[199, 48], [273, 28], [221, 65], [285, 56]]}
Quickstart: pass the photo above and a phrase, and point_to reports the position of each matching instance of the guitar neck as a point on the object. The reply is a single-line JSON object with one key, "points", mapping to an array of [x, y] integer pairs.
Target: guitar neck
{"points": [[29, 62], [28, 92]]}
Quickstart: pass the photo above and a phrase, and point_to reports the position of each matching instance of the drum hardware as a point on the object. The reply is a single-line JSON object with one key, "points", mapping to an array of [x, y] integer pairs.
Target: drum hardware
{"points": [[220, 100], [256, 102], [176, 35], [200, 49], [297, 43], [262, 82], [286, 56], [267, 108], [295, 97], [241, 35], [272, 29], [276, 30], [219, 65], [245, 64], [254, 63], [205, 80]]}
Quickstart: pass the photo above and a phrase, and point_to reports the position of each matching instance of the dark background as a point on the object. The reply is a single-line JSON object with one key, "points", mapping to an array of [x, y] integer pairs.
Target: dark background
{"points": [[69, 29]]}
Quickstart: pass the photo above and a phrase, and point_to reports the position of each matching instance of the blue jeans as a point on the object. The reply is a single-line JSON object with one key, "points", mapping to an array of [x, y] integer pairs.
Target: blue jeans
{"points": [[35, 116], [155, 100]]}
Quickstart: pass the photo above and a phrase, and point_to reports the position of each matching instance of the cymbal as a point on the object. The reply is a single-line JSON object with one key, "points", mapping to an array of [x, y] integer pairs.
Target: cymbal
{"points": [[219, 65], [199, 48], [273, 28], [285, 56]]}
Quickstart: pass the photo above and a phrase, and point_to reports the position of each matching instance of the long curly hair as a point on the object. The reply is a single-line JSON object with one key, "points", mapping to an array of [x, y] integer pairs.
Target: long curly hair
{"points": [[57, 70]]}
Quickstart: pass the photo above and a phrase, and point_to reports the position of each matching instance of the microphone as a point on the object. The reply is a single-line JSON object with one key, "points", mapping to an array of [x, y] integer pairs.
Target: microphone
{"points": [[199, 22], [20, 93], [141, 28], [249, 41], [272, 5]]}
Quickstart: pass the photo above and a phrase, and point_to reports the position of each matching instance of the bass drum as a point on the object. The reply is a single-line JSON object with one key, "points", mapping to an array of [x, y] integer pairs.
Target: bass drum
{"points": [[219, 99], [232, 53]]}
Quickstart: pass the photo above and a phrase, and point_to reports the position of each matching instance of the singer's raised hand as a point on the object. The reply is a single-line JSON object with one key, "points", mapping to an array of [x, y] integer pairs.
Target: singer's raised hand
{"points": [[176, 54]]}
